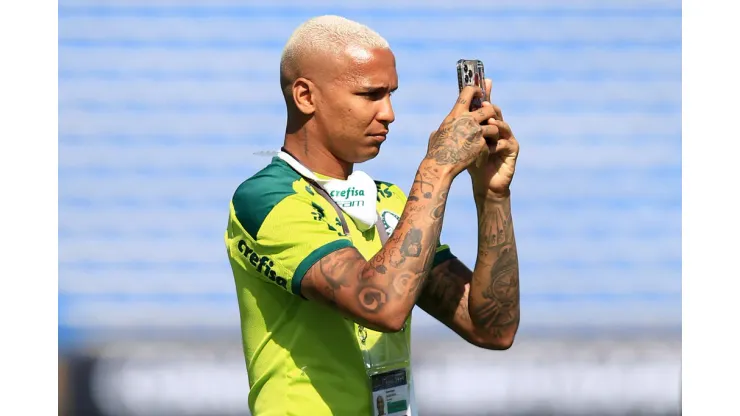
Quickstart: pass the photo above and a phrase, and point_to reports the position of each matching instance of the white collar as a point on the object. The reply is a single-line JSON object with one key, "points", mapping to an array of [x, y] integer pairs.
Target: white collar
{"points": [[356, 196]]}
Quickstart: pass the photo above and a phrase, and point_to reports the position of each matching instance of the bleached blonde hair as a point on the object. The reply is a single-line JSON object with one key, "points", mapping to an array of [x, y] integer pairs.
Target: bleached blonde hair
{"points": [[322, 34]]}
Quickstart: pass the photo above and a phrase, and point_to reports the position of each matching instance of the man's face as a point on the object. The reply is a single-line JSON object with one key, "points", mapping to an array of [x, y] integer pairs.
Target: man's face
{"points": [[353, 109]]}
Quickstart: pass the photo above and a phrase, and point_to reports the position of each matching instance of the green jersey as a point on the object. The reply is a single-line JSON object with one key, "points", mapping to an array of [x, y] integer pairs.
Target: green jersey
{"points": [[303, 358]]}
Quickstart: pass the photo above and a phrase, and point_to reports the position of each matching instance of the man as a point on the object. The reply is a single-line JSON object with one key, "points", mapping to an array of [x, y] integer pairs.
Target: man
{"points": [[325, 305], [381, 406]]}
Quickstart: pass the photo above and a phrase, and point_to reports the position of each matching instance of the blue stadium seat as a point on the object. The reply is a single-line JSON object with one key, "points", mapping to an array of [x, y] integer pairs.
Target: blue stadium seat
{"points": [[164, 105]]}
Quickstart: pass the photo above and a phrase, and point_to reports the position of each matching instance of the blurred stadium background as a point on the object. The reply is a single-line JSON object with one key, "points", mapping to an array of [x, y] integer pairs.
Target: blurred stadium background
{"points": [[164, 104]]}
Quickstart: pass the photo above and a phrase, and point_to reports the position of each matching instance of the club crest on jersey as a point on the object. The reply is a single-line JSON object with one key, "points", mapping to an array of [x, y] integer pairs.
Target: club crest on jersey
{"points": [[390, 221]]}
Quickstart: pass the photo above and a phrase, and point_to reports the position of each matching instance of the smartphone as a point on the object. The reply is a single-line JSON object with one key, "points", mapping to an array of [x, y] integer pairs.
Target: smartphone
{"points": [[471, 72]]}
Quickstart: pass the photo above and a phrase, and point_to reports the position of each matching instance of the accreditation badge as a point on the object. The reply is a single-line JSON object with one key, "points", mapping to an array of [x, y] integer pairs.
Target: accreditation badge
{"points": [[391, 393]]}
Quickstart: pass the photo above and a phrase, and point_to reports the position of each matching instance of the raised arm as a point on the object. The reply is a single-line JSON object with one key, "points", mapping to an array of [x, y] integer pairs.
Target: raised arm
{"points": [[381, 292], [494, 291], [483, 305]]}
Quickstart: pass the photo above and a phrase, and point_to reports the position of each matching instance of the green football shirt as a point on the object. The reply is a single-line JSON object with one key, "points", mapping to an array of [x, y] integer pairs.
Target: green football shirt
{"points": [[302, 357]]}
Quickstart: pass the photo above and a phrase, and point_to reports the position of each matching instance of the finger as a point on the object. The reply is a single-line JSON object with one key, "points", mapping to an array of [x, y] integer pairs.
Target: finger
{"points": [[509, 146], [497, 109], [489, 84], [499, 114], [484, 113], [487, 104], [504, 128], [464, 99], [490, 133]]}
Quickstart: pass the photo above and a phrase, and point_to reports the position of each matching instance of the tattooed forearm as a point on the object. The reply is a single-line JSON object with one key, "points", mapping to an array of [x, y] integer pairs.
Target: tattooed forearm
{"points": [[384, 289], [439, 209], [494, 291], [499, 308], [427, 188], [410, 250], [445, 295], [411, 246]]}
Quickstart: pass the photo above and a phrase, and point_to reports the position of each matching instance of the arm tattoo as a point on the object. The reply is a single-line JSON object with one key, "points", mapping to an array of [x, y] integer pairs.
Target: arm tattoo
{"points": [[494, 291], [501, 298], [439, 209], [391, 281], [411, 246], [372, 298], [481, 306], [427, 188], [444, 153], [332, 274], [445, 295]]}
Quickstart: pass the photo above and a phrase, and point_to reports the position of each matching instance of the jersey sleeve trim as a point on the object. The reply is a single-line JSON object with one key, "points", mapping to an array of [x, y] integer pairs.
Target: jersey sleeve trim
{"points": [[312, 258], [442, 255]]}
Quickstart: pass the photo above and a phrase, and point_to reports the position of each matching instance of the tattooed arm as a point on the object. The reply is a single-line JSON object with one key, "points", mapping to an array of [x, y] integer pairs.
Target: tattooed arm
{"points": [[381, 292], [481, 306]]}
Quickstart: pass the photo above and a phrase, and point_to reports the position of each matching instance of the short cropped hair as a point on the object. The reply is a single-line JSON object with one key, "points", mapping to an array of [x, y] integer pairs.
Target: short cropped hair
{"points": [[327, 33]]}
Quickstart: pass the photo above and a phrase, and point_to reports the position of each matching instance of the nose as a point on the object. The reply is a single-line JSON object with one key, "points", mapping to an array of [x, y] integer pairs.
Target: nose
{"points": [[385, 112]]}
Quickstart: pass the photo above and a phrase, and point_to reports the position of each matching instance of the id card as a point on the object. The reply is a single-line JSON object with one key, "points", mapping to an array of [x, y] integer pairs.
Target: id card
{"points": [[391, 393]]}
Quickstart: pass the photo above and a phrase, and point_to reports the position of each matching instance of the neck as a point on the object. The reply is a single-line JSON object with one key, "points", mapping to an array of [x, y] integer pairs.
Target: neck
{"points": [[313, 155]]}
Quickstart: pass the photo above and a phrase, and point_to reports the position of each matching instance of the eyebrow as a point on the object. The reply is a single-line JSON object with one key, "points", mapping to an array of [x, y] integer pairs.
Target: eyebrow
{"points": [[371, 88]]}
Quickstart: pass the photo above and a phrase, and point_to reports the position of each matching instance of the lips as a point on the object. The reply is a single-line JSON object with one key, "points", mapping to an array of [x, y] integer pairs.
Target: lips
{"points": [[378, 137]]}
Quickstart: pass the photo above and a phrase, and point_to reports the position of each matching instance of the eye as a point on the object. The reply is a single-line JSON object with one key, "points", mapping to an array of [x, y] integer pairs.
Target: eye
{"points": [[375, 95], [372, 95]]}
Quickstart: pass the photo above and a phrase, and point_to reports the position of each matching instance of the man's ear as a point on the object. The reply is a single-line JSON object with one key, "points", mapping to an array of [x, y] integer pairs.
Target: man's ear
{"points": [[303, 95]]}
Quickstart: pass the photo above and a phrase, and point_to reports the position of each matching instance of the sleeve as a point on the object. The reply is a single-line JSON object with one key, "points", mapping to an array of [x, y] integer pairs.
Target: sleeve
{"points": [[293, 236], [443, 252]]}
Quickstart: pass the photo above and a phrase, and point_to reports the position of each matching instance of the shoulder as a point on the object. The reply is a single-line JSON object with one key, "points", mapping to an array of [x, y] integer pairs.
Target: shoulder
{"points": [[256, 197]]}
